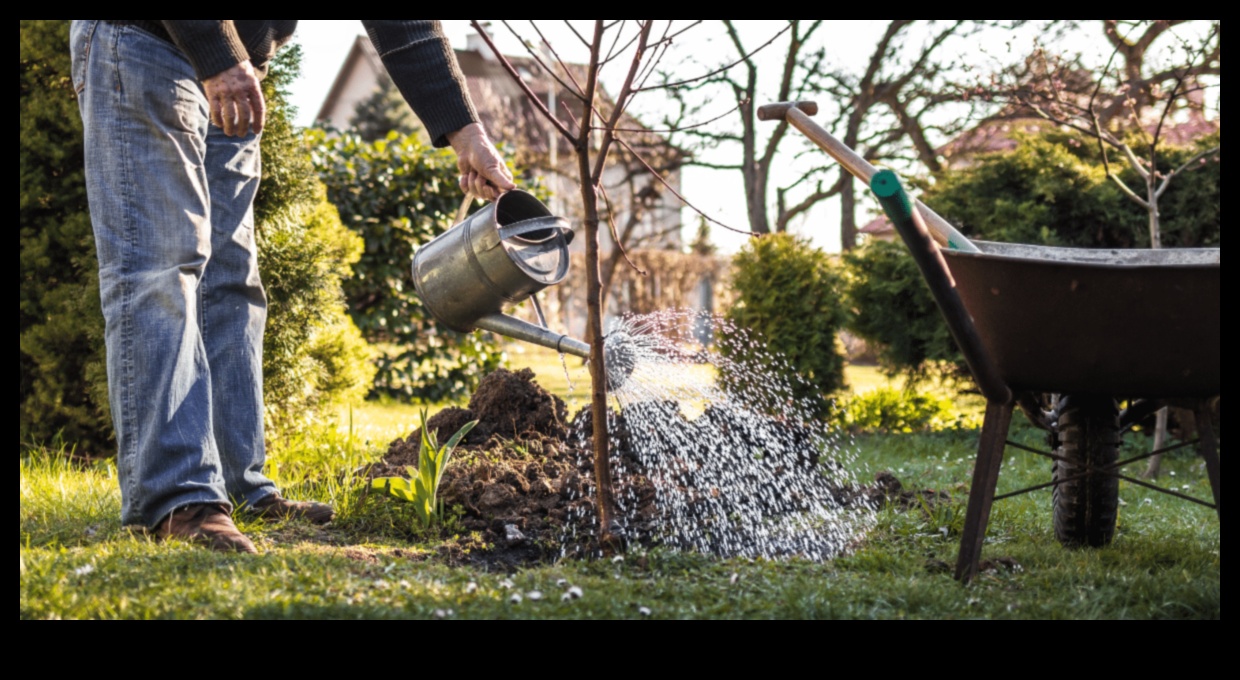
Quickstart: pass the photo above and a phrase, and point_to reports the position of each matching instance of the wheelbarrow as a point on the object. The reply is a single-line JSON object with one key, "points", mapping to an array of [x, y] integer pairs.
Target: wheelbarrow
{"points": [[1065, 335]]}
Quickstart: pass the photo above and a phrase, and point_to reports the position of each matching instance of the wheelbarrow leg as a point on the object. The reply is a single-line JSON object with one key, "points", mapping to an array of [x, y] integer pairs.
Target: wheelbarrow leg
{"points": [[1209, 451], [982, 493]]}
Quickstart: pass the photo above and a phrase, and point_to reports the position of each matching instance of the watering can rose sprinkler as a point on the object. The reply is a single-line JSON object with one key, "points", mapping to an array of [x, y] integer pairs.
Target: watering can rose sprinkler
{"points": [[505, 252]]}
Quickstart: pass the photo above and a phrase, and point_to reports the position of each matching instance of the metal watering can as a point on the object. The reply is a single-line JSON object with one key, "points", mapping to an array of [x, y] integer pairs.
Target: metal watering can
{"points": [[503, 253]]}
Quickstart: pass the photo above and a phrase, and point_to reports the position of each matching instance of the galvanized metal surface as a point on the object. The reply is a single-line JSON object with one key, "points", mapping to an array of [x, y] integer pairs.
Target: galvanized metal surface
{"points": [[470, 270], [527, 332]]}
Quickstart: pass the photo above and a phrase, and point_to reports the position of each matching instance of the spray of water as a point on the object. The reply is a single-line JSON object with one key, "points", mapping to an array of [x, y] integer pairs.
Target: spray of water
{"points": [[716, 456]]}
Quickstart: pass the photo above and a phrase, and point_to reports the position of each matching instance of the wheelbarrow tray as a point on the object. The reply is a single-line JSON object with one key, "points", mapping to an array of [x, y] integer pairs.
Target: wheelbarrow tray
{"points": [[1124, 323]]}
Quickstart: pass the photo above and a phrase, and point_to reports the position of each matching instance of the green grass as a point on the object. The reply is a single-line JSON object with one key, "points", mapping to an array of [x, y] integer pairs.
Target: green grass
{"points": [[77, 562]]}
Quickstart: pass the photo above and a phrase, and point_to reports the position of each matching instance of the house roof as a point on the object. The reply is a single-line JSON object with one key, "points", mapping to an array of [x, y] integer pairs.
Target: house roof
{"points": [[879, 226]]}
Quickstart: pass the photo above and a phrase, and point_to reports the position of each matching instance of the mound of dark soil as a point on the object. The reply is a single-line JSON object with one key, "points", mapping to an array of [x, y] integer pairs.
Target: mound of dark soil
{"points": [[516, 475]]}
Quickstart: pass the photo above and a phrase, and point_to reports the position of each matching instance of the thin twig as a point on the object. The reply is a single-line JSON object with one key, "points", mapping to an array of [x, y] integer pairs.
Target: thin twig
{"points": [[535, 99], [675, 193], [672, 36], [685, 127], [568, 71], [574, 30], [721, 69], [611, 51], [626, 91], [615, 237], [1197, 156], [542, 65]]}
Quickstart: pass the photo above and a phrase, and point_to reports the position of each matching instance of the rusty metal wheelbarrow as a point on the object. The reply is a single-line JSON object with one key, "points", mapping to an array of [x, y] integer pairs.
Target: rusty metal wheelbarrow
{"points": [[1063, 334]]}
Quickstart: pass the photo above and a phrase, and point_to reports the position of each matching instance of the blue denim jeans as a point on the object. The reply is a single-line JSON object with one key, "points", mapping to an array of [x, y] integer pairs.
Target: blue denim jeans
{"points": [[171, 204]]}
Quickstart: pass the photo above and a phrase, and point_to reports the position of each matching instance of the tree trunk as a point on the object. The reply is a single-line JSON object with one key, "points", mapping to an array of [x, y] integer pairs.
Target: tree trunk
{"points": [[848, 214], [755, 198]]}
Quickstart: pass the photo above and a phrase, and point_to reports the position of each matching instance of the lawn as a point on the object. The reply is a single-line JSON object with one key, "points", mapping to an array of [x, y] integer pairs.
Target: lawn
{"points": [[77, 562]]}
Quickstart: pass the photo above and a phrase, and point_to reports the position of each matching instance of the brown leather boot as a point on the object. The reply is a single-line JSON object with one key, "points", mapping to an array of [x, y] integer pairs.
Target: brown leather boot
{"points": [[276, 506], [207, 524]]}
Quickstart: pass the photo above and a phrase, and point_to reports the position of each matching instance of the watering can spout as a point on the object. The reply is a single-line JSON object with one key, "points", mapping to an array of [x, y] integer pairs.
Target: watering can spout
{"points": [[523, 330]]}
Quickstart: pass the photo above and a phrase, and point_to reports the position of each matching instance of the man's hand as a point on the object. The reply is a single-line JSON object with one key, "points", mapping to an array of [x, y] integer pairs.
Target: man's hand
{"points": [[483, 172], [236, 100]]}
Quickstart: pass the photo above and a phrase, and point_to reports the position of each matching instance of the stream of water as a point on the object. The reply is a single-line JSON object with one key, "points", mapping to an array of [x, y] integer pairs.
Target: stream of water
{"points": [[716, 456]]}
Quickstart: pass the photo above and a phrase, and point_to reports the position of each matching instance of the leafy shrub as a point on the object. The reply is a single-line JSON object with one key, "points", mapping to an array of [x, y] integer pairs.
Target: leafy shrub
{"points": [[789, 299], [1052, 189], [893, 310], [398, 193], [890, 410]]}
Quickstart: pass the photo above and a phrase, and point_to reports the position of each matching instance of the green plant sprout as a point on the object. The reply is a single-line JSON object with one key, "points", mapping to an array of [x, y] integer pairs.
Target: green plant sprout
{"points": [[422, 486]]}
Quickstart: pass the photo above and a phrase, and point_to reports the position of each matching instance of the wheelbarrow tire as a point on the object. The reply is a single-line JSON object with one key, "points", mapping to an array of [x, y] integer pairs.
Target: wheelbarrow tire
{"points": [[1088, 434]]}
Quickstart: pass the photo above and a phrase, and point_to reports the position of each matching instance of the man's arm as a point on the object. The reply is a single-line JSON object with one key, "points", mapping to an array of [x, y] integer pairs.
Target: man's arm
{"points": [[423, 66]]}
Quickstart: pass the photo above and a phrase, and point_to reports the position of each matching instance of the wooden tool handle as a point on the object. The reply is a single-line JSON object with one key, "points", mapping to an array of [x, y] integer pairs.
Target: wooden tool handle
{"points": [[943, 232]]}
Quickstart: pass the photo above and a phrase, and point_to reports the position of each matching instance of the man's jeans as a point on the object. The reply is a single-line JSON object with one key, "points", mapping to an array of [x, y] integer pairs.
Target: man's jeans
{"points": [[170, 199]]}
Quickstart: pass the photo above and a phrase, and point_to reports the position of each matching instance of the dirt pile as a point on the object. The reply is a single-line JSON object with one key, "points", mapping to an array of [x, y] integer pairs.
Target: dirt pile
{"points": [[517, 476]]}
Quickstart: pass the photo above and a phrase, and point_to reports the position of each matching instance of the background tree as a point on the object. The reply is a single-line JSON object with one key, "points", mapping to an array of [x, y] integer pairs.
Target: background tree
{"points": [[1156, 70], [905, 104], [1131, 106], [898, 108], [757, 154]]}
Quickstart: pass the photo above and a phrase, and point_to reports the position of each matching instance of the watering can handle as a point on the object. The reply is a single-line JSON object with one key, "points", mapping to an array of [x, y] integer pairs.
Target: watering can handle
{"points": [[537, 224]]}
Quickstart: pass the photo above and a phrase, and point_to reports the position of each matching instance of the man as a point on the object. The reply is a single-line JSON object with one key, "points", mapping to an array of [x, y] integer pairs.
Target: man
{"points": [[172, 112]]}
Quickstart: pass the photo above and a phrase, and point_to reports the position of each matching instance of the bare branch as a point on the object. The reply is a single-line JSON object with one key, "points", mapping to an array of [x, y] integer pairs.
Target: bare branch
{"points": [[721, 69], [1184, 166], [669, 37], [622, 98], [575, 90], [612, 52], [684, 127], [611, 223], [1135, 162], [808, 202], [584, 42], [533, 98], [712, 166], [563, 64], [675, 193], [1127, 191]]}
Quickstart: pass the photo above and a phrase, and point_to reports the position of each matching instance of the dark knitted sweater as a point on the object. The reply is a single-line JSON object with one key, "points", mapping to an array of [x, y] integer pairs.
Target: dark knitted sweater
{"points": [[416, 53]]}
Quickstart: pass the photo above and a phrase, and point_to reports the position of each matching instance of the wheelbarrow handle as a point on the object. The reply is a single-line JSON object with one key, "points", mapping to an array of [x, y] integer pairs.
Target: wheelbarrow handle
{"points": [[912, 228], [798, 115]]}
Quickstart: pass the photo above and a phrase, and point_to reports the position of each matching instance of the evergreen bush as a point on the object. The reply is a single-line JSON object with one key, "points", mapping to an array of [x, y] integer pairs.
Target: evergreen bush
{"points": [[788, 298], [893, 311], [63, 386]]}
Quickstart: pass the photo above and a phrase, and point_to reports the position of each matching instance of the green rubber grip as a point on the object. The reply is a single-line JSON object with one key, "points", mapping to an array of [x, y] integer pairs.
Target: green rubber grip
{"points": [[891, 194]]}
